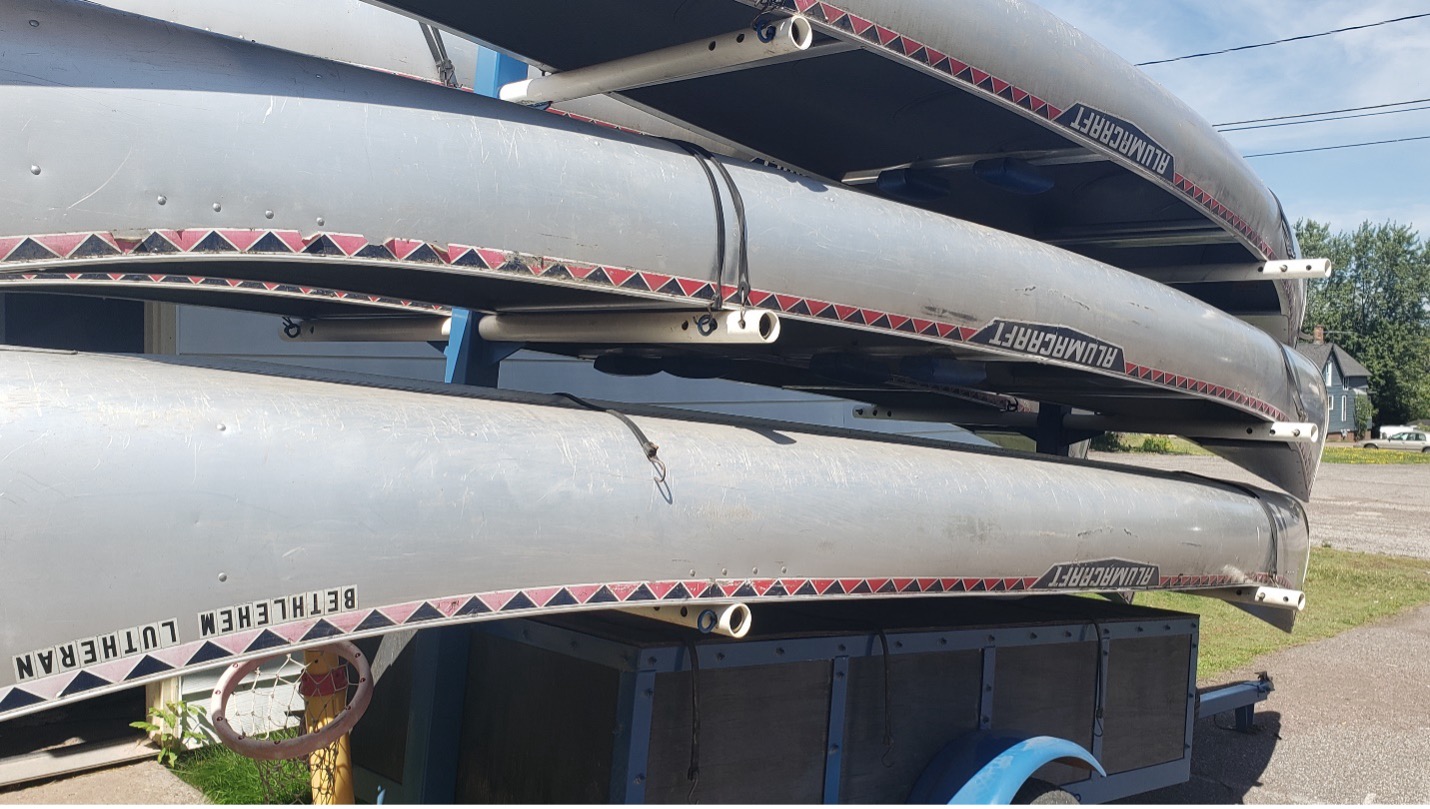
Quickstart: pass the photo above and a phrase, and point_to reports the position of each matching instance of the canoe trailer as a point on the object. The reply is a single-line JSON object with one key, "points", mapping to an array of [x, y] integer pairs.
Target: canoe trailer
{"points": [[735, 695]]}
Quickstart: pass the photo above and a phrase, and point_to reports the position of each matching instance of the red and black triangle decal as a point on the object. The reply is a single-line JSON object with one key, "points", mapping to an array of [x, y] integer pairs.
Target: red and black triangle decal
{"points": [[214, 243], [322, 629], [147, 665], [520, 601], [265, 640], [84, 681], [426, 612], [207, 652], [375, 620], [641, 593], [94, 247], [425, 254], [17, 699], [269, 243]]}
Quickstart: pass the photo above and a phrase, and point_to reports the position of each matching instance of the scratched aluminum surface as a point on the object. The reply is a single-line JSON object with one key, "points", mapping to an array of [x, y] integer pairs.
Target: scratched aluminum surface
{"points": [[1012, 49], [126, 125], [141, 494]]}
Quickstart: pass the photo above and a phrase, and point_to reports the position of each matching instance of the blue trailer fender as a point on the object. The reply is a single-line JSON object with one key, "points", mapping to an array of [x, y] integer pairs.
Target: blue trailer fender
{"points": [[987, 768]]}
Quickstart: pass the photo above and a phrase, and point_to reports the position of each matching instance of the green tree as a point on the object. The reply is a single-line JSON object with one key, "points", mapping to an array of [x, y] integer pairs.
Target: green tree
{"points": [[1376, 305], [1365, 414]]}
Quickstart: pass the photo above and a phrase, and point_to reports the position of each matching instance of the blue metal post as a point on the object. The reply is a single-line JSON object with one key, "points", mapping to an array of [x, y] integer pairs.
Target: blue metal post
{"points": [[435, 732], [470, 359], [834, 752], [985, 698], [632, 751], [440, 687]]}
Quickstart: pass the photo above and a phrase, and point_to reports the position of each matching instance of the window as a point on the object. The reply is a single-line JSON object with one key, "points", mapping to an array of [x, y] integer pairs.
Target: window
{"points": [[1343, 405]]}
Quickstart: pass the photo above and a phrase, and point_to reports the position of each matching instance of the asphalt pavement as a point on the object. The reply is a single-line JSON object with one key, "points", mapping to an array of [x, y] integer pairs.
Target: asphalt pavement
{"points": [[1349, 722]]}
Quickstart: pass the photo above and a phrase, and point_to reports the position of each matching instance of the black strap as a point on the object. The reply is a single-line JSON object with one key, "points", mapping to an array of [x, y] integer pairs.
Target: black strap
{"points": [[737, 200], [647, 446], [445, 70]]}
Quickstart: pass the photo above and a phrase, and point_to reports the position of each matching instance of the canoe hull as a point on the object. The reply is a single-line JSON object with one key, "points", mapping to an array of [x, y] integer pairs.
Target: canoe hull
{"points": [[161, 517], [227, 159]]}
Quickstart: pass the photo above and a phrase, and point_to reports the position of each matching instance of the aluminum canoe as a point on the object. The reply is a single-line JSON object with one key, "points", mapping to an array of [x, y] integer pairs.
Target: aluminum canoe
{"points": [[1139, 179], [152, 149], [161, 516]]}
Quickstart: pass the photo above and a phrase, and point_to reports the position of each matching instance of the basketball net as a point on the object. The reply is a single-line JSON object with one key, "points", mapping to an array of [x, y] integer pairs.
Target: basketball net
{"points": [[291, 715]]}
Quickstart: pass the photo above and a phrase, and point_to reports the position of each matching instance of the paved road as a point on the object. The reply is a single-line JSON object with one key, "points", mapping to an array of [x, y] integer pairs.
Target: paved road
{"points": [[1349, 723], [146, 782], [1378, 509]]}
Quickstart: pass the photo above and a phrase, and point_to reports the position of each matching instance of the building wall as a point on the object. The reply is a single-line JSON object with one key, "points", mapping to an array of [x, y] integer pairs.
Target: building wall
{"points": [[226, 335], [1340, 399]]}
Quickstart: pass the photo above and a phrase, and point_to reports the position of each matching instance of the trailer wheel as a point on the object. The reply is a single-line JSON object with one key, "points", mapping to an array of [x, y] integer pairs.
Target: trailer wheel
{"points": [[1036, 791]]}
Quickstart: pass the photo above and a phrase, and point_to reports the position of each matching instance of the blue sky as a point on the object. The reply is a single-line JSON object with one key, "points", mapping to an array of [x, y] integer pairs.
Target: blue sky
{"points": [[1379, 65]]}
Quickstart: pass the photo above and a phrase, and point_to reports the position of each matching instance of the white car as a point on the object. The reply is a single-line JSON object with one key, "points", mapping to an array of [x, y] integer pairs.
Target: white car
{"points": [[1412, 441]]}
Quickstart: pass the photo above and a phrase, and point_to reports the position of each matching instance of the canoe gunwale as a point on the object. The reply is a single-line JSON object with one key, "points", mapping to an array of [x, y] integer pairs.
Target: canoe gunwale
{"points": [[19, 254]]}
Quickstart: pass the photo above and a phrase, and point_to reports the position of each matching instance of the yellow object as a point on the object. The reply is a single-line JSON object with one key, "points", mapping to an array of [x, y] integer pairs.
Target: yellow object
{"points": [[331, 766]]}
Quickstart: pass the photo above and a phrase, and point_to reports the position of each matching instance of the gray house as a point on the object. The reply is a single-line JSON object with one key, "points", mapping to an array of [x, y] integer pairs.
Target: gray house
{"points": [[1344, 377]]}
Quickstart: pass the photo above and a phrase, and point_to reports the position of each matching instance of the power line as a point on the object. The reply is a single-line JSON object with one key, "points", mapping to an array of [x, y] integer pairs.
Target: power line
{"points": [[1324, 112], [1280, 41], [1321, 120], [1341, 146]]}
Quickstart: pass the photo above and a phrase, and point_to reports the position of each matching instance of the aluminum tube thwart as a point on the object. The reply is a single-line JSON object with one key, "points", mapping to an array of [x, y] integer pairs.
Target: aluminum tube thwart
{"points": [[678, 62], [740, 327], [730, 620], [371, 330]]}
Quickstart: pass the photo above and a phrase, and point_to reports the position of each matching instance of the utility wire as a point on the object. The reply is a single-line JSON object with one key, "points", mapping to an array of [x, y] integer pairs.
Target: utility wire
{"points": [[1280, 41], [1323, 112], [1320, 120], [1341, 146]]}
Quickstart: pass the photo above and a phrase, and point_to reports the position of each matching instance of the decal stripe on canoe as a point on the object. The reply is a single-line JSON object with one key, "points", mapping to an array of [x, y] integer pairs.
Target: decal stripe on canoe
{"points": [[907, 49], [155, 245], [44, 690]]}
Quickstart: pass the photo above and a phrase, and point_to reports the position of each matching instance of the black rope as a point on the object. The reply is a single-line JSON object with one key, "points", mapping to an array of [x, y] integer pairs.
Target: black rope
{"points": [[888, 704], [649, 447], [703, 157], [763, 26], [737, 200], [742, 256], [1098, 674], [292, 328], [693, 774], [445, 69]]}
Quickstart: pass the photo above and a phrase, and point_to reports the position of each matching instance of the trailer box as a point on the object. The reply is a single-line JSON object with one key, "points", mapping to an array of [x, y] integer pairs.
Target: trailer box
{"points": [[832, 702]]}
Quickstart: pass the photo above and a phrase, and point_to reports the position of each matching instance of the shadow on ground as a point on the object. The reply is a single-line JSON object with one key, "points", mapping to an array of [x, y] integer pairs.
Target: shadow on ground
{"points": [[1226, 764]]}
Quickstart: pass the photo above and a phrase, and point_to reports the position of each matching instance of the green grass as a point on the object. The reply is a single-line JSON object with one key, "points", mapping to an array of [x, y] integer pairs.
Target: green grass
{"points": [[1156, 444], [1344, 590], [1173, 445], [225, 777], [1334, 454]]}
